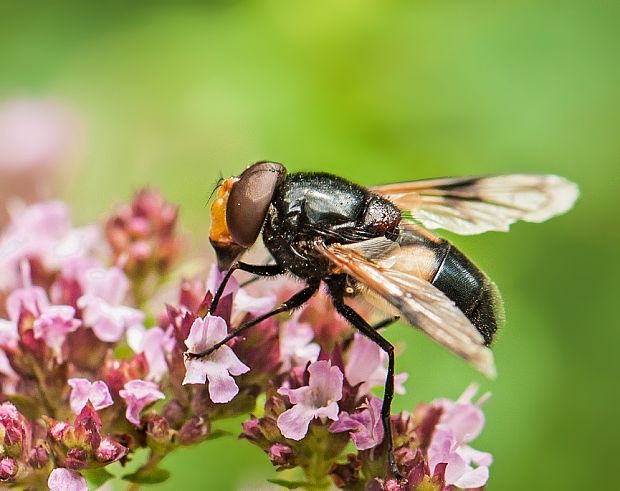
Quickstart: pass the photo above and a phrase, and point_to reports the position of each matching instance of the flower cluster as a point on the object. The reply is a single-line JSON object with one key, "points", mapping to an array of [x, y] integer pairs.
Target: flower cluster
{"points": [[93, 367]]}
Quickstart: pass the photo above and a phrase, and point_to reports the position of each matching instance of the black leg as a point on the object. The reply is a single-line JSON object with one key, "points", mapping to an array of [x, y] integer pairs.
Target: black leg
{"points": [[295, 301], [367, 330], [385, 323], [257, 269]]}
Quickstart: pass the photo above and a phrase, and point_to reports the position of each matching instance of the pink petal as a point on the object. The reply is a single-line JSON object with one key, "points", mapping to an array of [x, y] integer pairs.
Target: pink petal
{"points": [[195, 372], [216, 329], [253, 305], [138, 394], [399, 381], [465, 421], [475, 456], [294, 422], [215, 279], [296, 346], [83, 391], [62, 479], [153, 345], [330, 411], [226, 357], [100, 395], [474, 478], [364, 358], [79, 394], [222, 387], [8, 333], [297, 396], [34, 299], [196, 341], [110, 284], [326, 379], [455, 469]]}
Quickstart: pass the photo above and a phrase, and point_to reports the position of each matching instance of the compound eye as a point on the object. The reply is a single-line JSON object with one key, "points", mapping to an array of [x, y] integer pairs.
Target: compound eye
{"points": [[249, 201]]}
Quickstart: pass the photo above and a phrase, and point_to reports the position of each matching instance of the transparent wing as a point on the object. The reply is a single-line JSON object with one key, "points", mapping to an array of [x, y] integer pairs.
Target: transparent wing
{"points": [[419, 302], [472, 205]]}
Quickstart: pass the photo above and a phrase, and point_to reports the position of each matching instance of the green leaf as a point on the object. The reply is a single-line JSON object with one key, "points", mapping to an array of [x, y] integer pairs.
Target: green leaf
{"points": [[296, 484], [148, 476], [97, 477]]}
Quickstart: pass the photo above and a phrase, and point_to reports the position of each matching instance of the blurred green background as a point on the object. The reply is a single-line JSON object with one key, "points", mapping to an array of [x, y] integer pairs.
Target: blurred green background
{"points": [[173, 94]]}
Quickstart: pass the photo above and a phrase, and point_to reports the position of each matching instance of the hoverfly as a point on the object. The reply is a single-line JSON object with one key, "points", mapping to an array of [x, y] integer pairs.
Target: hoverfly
{"points": [[377, 243]]}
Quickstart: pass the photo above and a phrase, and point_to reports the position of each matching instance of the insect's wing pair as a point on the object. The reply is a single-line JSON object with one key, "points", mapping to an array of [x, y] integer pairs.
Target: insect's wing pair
{"points": [[466, 205]]}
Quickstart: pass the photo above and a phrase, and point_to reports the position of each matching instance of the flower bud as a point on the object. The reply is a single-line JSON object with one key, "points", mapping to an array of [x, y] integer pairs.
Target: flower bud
{"points": [[174, 413], [282, 455], [39, 457], [110, 451], [158, 433], [252, 431], [143, 234], [347, 476], [195, 430], [77, 458], [16, 430], [8, 469]]}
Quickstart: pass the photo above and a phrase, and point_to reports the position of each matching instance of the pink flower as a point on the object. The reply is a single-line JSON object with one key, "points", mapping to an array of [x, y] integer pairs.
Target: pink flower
{"points": [[42, 231], [246, 303], [316, 400], [35, 134], [296, 346], [365, 427], [53, 325], [219, 365], [460, 423], [366, 365], [83, 390], [154, 343], [8, 333], [104, 291], [62, 479], [138, 394], [31, 298]]}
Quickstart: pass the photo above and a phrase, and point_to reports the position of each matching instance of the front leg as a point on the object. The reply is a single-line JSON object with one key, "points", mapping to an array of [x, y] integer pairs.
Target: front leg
{"points": [[257, 269], [369, 331], [297, 300]]}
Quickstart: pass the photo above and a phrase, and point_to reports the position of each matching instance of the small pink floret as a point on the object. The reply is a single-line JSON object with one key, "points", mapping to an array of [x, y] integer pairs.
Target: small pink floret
{"points": [[219, 366], [316, 400], [83, 390], [138, 394]]}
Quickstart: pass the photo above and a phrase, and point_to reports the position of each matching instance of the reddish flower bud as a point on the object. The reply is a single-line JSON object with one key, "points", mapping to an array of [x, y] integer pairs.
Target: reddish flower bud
{"points": [[194, 431], [282, 455], [174, 413], [252, 431], [8, 469], [39, 457], [110, 451], [159, 435], [15, 429], [77, 458], [143, 234], [347, 476]]}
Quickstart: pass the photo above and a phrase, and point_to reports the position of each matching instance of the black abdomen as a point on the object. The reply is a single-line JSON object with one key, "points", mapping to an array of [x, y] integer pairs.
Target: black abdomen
{"points": [[470, 289]]}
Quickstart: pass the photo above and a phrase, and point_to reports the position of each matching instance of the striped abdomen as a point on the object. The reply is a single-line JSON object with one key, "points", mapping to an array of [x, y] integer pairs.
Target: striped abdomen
{"points": [[439, 262]]}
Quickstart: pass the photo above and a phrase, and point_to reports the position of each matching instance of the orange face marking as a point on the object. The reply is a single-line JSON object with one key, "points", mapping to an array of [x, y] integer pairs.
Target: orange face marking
{"points": [[219, 229]]}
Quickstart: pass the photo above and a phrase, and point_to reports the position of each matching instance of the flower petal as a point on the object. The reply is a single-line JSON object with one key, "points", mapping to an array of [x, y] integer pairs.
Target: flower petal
{"points": [[62, 479], [222, 387], [294, 422]]}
